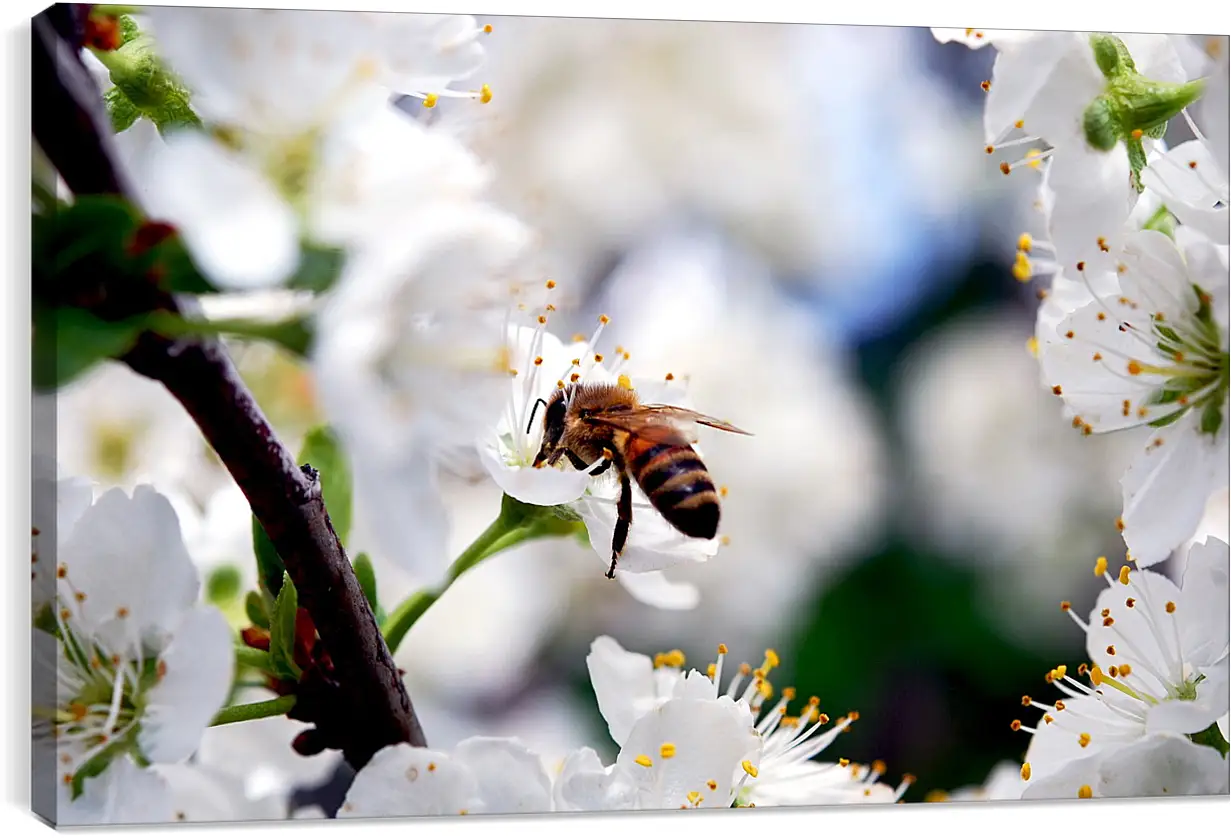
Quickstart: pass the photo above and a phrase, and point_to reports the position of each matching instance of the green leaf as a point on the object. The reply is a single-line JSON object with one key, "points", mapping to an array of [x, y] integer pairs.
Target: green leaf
{"points": [[96, 765], [323, 452], [268, 563], [120, 109], [282, 632], [367, 580], [178, 273], [223, 584], [68, 341], [1169, 419], [319, 268], [94, 226], [1211, 737], [254, 607], [1211, 415]]}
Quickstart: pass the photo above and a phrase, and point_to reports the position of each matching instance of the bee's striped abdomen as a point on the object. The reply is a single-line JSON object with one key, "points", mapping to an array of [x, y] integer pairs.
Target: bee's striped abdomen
{"points": [[676, 482]]}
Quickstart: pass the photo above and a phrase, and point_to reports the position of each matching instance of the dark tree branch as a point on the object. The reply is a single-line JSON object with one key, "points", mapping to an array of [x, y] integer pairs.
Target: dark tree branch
{"points": [[367, 707]]}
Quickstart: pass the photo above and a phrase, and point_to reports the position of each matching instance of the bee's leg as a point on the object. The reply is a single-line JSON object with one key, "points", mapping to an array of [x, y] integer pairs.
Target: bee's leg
{"points": [[576, 461], [624, 517]]}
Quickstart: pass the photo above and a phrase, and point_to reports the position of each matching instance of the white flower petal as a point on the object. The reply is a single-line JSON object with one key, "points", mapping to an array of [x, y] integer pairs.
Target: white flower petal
{"points": [[1202, 609], [237, 228], [710, 739], [129, 569], [654, 589], [199, 665], [623, 684], [1162, 765], [584, 785], [1020, 72], [1210, 705], [653, 544], [538, 486], [1167, 484], [401, 781], [510, 777], [122, 794]]}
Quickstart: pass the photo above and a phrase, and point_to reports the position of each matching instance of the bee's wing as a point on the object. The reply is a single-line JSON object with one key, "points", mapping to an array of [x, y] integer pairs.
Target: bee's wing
{"points": [[661, 423], [686, 417]]}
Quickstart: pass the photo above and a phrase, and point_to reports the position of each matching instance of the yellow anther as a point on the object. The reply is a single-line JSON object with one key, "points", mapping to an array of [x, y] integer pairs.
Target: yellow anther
{"points": [[1022, 271], [1061, 671], [1024, 242], [878, 766], [485, 94], [789, 693], [604, 319], [1100, 566], [487, 28], [625, 382], [1025, 771], [1125, 670], [695, 798], [722, 648], [749, 768], [538, 361], [670, 377], [551, 283], [1096, 675], [1085, 793], [1134, 368], [771, 659], [712, 784], [1124, 575], [844, 762], [1032, 346], [723, 491], [667, 751], [1170, 607], [430, 100], [643, 760], [1083, 740], [711, 671]]}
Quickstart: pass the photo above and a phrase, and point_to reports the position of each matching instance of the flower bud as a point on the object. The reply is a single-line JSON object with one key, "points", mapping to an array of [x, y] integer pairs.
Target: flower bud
{"points": [[1146, 105], [1099, 125], [1110, 54]]}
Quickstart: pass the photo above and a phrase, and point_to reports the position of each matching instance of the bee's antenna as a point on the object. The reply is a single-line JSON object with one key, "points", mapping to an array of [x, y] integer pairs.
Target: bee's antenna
{"points": [[534, 410]]}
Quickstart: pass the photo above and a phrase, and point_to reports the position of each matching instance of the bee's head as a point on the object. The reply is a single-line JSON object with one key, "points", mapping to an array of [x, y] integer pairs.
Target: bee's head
{"points": [[553, 430]]}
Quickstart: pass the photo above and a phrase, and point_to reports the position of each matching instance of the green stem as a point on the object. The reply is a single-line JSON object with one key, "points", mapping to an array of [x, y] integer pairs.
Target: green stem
{"points": [[255, 658], [115, 10], [293, 334], [415, 605], [257, 710], [517, 522]]}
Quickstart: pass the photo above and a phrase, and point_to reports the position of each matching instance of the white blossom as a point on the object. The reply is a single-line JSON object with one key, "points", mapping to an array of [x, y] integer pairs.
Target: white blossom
{"points": [[138, 666], [311, 140], [541, 365], [1146, 345], [1158, 663], [1047, 88], [482, 775], [1162, 764], [778, 769]]}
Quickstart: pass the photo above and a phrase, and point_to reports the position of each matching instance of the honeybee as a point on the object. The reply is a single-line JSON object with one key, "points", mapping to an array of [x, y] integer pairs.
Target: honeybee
{"points": [[650, 443]]}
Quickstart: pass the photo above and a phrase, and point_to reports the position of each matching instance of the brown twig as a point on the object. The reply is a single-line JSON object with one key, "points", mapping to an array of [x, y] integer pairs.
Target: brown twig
{"points": [[366, 707]]}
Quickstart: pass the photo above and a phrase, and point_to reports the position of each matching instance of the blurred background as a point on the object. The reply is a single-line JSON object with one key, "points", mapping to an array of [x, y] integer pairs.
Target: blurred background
{"points": [[802, 220]]}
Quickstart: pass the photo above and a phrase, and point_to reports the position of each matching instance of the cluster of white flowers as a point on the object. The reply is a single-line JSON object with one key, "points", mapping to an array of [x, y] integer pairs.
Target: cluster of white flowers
{"points": [[130, 668], [684, 743], [1132, 336]]}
